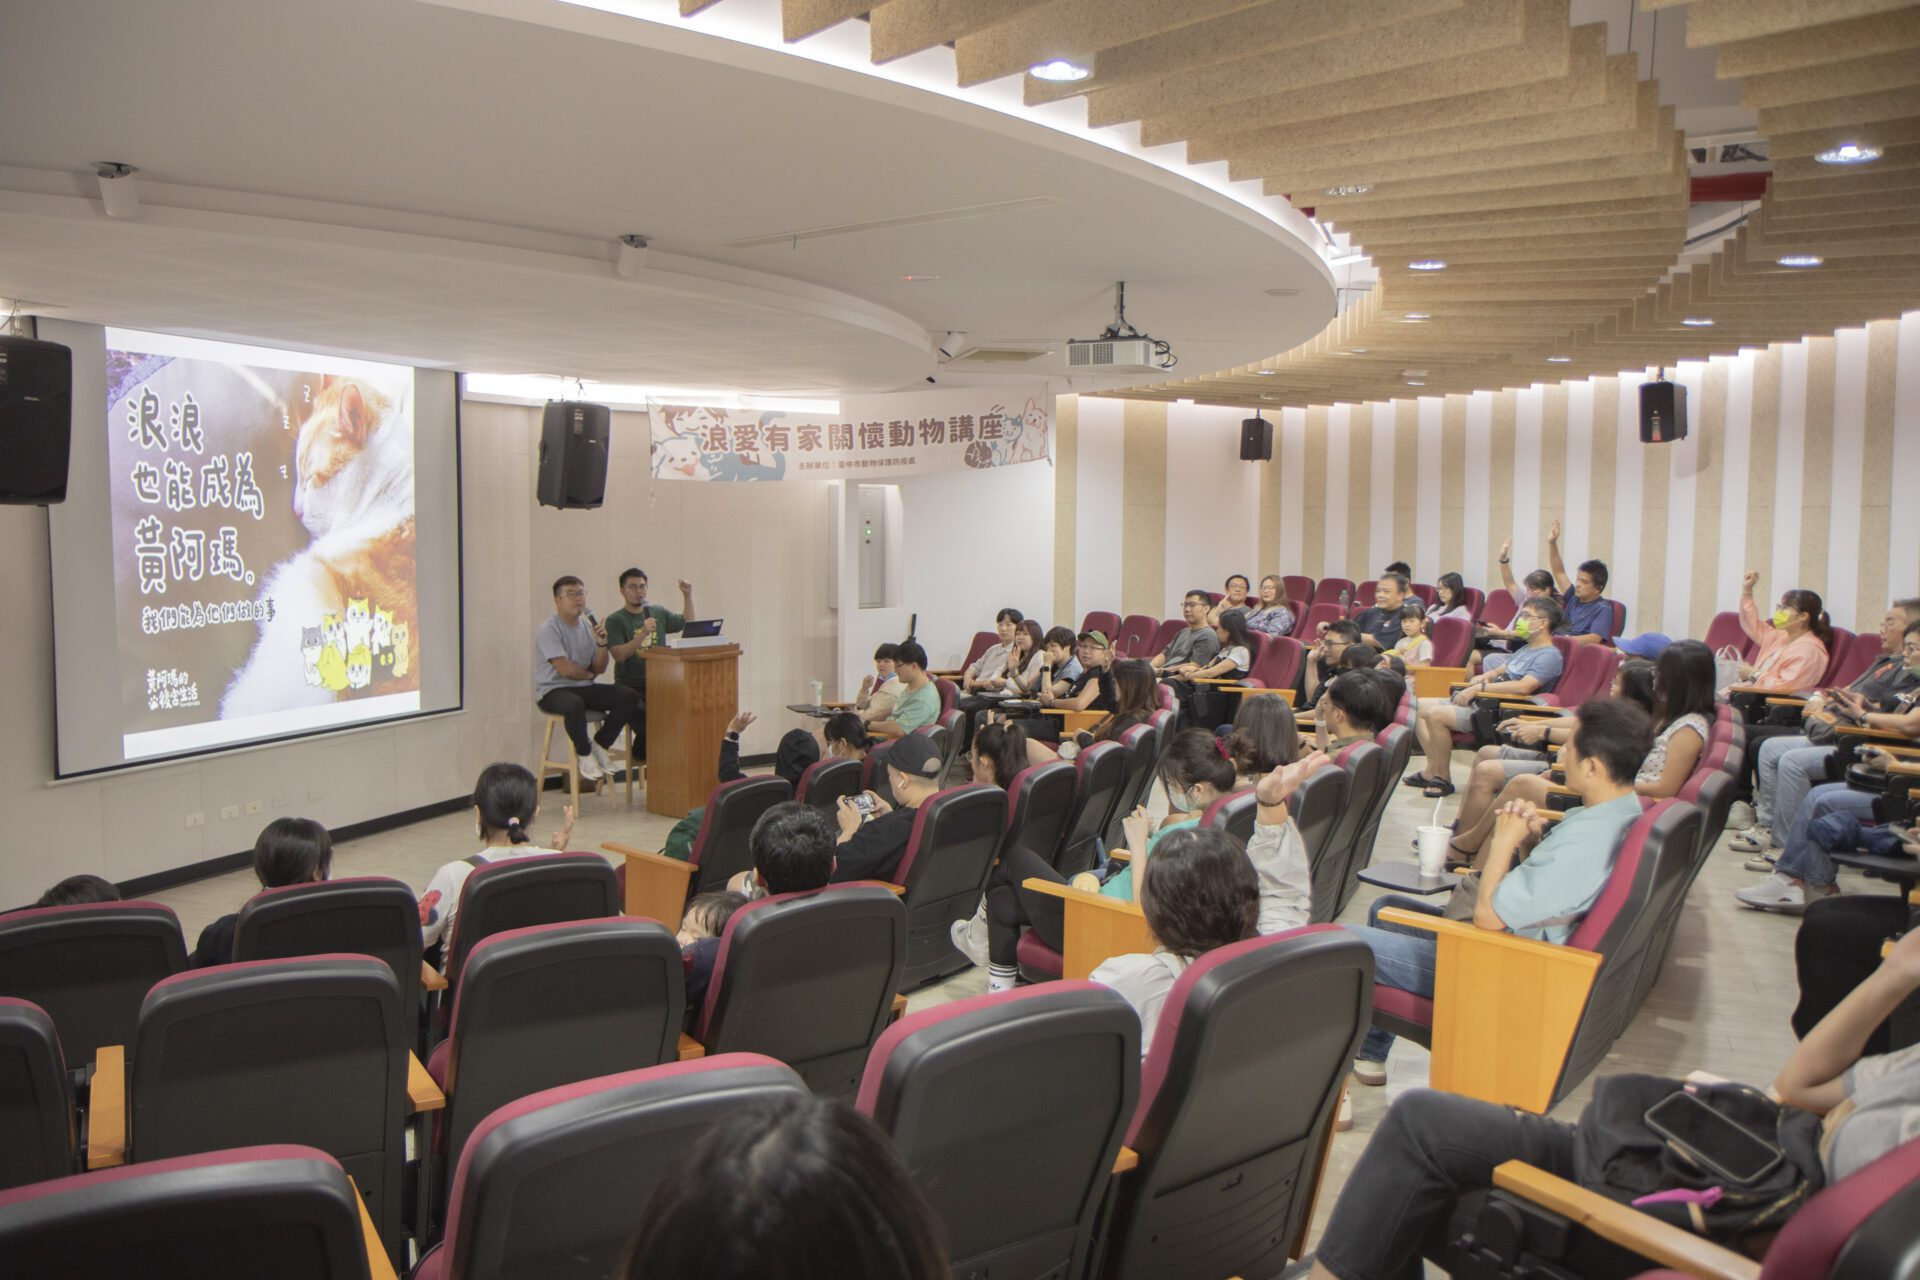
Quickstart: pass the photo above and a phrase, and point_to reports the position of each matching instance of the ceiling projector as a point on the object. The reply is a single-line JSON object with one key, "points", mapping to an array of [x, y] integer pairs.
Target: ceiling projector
{"points": [[1120, 348]]}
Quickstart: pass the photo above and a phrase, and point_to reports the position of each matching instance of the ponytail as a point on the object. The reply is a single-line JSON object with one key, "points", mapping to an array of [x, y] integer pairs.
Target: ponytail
{"points": [[1809, 603], [506, 796], [515, 832]]}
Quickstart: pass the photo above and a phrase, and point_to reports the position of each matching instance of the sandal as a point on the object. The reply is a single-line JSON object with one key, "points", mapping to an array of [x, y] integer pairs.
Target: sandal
{"points": [[1437, 789], [1418, 780]]}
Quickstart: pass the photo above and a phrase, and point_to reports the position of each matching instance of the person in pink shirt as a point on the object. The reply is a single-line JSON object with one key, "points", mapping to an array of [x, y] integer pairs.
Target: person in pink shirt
{"points": [[1794, 643]]}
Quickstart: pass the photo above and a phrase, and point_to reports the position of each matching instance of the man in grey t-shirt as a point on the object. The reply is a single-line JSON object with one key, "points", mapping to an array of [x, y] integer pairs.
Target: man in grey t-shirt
{"points": [[569, 651], [1197, 644]]}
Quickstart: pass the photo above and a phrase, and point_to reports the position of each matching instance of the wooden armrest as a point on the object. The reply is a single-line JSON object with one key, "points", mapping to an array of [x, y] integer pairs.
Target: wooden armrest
{"points": [[1219, 680], [656, 884], [431, 979], [1664, 1245], [1505, 1009], [1555, 789], [899, 1009], [1097, 928], [422, 1093], [1436, 682], [1127, 1161], [1872, 735], [1120, 855], [1786, 702], [1551, 816], [1902, 753], [691, 1048], [379, 1265], [947, 675], [897, 890], [107, 1112], [1255, 690], [1904, 769]]}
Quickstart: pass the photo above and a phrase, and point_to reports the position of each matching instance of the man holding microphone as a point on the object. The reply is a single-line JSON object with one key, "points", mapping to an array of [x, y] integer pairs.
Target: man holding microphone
{"points": [[569, 651], [638, 626]]}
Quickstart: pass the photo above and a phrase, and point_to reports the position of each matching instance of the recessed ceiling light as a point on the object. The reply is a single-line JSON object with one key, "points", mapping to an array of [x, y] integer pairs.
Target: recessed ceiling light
{"points": [[1559, 359], [1059, 70], [1361, 189], [1265, 373], [1845, 153], [1427, 264], [1416, 316], [1799, 260], [1269, 397], [918, 279], [1413, 382], [1697, 322], [1356, 351]]}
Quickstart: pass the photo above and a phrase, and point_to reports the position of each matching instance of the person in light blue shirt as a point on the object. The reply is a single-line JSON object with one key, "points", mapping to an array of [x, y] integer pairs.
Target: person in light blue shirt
{"points": [[1533, 670], [1545, 897]]}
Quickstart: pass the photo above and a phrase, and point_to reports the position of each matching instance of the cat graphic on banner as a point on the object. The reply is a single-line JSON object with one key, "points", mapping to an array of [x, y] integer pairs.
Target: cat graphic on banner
{"points": [[912, 433]]}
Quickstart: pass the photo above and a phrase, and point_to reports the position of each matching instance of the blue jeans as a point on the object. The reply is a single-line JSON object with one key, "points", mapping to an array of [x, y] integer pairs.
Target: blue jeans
{"points": [[1403, 958], [1803, 858], [1789, 768], [1766, 775]]}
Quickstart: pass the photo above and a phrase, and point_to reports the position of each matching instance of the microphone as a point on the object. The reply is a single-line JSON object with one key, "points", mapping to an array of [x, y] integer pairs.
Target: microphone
{"points": [[591, 620]]}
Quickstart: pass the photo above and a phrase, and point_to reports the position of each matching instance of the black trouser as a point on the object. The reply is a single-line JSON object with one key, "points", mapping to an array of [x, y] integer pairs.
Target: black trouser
{"points": [[619, 705], [1837, 948], [1750, 766], [1431, 1149], [1011, 908]]}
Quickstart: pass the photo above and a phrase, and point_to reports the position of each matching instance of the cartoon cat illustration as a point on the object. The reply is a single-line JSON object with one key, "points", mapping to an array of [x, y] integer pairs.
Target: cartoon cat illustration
{"points": [[333, 668], [353, 469], [333, 633], [400, 650], [359, 667], [382, 637], [310, 654]]}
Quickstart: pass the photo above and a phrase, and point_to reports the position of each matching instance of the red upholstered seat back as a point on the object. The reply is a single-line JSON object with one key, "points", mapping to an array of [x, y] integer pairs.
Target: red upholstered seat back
{"points": [[1725, 630], [1278, 665], [1854, 657], [981, 642], [1362, 597], [1452, 642], [1317, 613], [1425, 591], [1588, 674], [1812, 1241], [1328, 591], [1137, 631], [1105, 622], [1619, 619], [1299, 592], [1498, 608], [1164, 636]]}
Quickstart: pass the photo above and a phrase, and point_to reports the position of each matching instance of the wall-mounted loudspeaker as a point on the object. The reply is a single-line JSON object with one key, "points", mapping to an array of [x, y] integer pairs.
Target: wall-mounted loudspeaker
{"points": [[36, 405], [573, 454], [1663, 412], [1256, 440]]}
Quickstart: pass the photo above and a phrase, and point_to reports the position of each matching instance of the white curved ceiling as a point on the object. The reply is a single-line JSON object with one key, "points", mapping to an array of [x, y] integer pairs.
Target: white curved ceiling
{"points": [[424, 182]]}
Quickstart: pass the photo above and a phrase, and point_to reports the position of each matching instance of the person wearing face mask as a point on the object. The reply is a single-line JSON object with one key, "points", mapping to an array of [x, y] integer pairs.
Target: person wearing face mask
{"points": [[1794, 643], [1534, 669]]}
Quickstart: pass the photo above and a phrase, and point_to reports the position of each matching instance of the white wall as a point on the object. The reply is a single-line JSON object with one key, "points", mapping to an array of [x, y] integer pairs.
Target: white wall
{"points": [[1213, 502], [976, 542]]}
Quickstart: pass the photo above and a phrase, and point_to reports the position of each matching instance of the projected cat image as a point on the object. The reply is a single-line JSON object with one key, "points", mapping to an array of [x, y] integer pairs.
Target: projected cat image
{"points": [[353, 494]]}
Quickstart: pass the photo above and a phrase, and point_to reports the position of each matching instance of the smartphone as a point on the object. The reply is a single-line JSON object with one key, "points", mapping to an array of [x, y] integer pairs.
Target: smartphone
{"points": [[1711, 1140], [864, 802]]}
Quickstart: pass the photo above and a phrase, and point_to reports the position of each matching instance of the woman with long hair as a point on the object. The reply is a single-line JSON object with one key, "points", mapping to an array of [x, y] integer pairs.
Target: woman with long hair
{"points": [[1264, 737], [1450, 599], [1272, 614], [1198, 702], [506, 802]]}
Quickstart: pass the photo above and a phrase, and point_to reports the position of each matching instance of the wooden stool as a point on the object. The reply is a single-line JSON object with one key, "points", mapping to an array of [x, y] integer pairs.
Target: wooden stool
{"points": [[568, 767], [629, 766]]}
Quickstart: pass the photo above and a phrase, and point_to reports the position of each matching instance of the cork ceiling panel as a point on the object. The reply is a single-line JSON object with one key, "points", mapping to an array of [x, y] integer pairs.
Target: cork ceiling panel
{"points": [[1501, 139]]}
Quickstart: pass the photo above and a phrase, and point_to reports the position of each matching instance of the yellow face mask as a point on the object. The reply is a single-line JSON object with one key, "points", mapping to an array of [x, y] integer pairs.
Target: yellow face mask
{"points": [[1781, 617], [1523, 626]]}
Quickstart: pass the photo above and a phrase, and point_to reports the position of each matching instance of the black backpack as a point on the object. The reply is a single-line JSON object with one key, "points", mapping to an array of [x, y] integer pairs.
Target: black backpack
{"points": [[1618, 1155]]}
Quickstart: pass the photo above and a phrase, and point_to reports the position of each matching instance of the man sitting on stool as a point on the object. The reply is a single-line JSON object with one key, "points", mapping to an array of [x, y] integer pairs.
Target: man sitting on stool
{"points": [[568, 652]]}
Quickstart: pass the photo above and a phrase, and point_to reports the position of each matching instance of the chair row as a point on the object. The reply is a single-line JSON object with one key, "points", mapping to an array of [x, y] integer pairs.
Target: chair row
{"points": [[554, 1182]]}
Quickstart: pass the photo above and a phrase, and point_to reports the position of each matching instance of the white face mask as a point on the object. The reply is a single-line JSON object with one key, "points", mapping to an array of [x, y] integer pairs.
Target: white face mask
{"points": [[1180, 801]]}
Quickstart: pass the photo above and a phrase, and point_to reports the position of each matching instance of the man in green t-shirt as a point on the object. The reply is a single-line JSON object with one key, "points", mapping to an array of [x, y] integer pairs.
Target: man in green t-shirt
{"points": [[641, 626]]}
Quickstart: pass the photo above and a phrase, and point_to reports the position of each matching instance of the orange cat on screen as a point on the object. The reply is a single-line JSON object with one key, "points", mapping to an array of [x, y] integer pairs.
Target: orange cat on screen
{"points": [[354, 494]]}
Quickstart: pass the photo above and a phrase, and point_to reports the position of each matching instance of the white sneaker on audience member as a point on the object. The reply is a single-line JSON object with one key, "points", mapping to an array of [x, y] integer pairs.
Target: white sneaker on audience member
{"points": [[1778, 893], [590, 770], [1343, 1118], [970, 939], [1760, 862], [1368, 1072], [603, 759], [1757, 840], [1740, 817]]}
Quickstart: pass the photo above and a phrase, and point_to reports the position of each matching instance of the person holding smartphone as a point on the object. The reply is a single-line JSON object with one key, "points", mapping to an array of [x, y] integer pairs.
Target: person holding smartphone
{"points": [[873, 833], [1434, 1147]]}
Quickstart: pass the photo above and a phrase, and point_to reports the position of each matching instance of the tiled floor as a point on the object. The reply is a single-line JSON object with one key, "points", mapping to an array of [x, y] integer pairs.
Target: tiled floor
{"points": [[1721, 1004]]}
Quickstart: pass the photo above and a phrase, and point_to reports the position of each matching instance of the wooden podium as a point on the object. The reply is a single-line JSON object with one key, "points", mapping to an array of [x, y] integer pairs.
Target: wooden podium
{"points": [[692, 694]]}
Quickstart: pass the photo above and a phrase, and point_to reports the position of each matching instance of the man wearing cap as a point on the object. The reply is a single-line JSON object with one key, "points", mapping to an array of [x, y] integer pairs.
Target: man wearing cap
{"points": [[1091, 690], [870, 845]]}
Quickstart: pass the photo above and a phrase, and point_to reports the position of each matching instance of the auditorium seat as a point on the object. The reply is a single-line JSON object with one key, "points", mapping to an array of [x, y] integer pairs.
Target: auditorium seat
{"points": [[542, 889], [825, 781], [37, 1135], [1040, 802], [1577, 998], [658, 887], [1275, 666], [1859, 1228], [89, 967], [1619, 619], [946, 735], [312, 1050], [949, 695], [950, 851], [1100, 778], [1498, 609], [1163, 637], [1106, 623], [1135, 640], [1299, 594], [1318, 612], [362, 915], [1315, 805], [550, 1005], [285, 1211], [982, 641], [1852, 659], [1237, 1102], [1397, 741], [1362, 597], [808, 979], [1725, 630], [1452, 642], [1365, 764], [1057, 1067], [1425, 592], [1143, 743], [555, 1185], [1476, 603], [1233, 813]]}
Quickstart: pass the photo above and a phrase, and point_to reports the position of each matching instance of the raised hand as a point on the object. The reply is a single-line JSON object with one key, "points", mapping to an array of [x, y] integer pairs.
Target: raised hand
{"points": [[685, 586], [739, 723], [1136, 826], [1275, 787], [559, 839], [1506, 549], [1553, 534], [1747, 582]]}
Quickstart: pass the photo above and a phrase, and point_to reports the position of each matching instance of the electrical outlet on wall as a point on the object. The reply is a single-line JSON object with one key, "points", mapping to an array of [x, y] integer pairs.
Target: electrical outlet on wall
{"points": [[254, 806], [196, 820], [228, 812]]}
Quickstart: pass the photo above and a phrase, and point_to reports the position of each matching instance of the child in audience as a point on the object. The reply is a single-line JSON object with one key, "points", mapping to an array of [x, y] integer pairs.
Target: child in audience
{"points": [[506, 801], [707, 915], [288, 851], [77, 891], [798, 1187], [792, 849], [1413, 647], [1201, 893], [1198, 702], [1433, 1147]]}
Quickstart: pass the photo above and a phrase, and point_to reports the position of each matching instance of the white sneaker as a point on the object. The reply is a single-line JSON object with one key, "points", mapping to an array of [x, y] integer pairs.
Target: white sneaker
{"points": [[1775, 893], [1740, 817], [1757, 840], [1369, 1072], [1343, 1118], [590, 770], [970, 939], [1762, 862], [604, 759]]}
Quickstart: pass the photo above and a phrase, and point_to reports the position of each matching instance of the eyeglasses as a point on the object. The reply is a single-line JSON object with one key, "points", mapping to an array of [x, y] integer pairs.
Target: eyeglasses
{"points": [[573, 593]]}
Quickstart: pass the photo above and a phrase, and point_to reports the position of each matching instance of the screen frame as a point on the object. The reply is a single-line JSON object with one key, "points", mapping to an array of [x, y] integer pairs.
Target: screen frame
{"points": [[229, 749]]}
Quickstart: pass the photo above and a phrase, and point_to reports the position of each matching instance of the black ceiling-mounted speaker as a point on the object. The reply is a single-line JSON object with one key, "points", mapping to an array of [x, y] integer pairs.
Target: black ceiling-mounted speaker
{"points": [[1663, 412], [1256, 440], [36, 420], [573, 454]]}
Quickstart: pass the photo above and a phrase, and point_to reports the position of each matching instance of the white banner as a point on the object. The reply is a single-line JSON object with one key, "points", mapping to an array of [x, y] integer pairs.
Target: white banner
{"points": [[911, 433]]}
